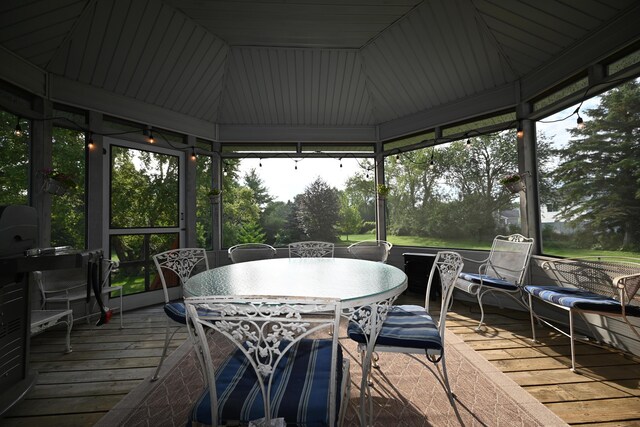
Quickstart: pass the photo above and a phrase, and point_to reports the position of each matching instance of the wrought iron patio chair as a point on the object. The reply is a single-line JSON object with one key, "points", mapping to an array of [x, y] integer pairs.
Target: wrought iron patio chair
{"points": [[412, 328], [606, 286], [174, 268], [283, 365], [502, 272], [371, 250], [67, 286], [251, 252], [311, 249]]}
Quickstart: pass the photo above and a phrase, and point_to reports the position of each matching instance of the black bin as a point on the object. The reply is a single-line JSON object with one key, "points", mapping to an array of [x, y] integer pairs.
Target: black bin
{"points": [[417, 267]]}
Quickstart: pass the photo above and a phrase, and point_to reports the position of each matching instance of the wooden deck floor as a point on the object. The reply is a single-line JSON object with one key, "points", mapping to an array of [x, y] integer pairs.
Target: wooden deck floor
{"points": [[77, 389]]}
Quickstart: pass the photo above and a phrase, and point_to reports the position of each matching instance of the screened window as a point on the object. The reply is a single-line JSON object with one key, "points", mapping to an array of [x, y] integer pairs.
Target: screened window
{"points": [[590, 194], [204, 203], [14, 159], [67, 204], [451, 195], [283, 200]]}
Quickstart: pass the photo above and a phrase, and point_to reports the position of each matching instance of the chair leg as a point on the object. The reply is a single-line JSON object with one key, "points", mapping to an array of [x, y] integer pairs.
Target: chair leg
{"points": [[573, 354], [445, 378], [374, 360], [533, 328], [121, 312], [68, 338], [167, 339], [479, 296]]}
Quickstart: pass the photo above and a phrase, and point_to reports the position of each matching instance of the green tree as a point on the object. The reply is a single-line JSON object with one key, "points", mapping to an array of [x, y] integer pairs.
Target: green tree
{"points": [[68, 211], [350, 219], [14, 161], [319, 211], [599, 176], [260, 192], [251, 232]]}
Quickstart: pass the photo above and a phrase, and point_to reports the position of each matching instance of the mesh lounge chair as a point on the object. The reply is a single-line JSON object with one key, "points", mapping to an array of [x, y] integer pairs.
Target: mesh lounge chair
{"points": [[311, 249], [251, 252], [175, 267], [371, 250], [411, 328], [278, 366], [502, 272]]}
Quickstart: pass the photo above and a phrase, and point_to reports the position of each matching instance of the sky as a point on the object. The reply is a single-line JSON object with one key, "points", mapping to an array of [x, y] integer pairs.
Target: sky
{"points": [[285, 182]]}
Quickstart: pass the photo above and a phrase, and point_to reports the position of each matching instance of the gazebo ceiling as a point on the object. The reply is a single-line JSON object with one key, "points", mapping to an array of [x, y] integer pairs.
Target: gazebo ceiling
{"points": [[344, 64]]}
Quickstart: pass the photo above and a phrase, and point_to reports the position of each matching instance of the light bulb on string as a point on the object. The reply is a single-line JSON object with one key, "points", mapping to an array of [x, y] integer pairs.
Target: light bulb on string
{"points": [[18, 129], [260, 163], [193, 153], [432, 164], [90, 143], [580, 122], [519, 131], [340, 161], [468, 144], [296, 165]]}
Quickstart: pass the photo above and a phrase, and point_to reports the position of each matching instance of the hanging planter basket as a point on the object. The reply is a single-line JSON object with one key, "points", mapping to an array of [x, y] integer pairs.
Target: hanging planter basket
{"points": [[515, 186], [54, 187]]}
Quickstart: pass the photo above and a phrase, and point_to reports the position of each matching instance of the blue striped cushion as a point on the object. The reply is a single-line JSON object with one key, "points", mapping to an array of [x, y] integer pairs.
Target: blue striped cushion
{"points": [[176, 311], [300, 389], [580, 299], [493, 282], [408, 326]]}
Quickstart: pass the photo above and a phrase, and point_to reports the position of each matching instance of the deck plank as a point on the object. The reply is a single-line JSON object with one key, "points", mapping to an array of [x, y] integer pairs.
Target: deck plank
{"points": [[77, 389]]}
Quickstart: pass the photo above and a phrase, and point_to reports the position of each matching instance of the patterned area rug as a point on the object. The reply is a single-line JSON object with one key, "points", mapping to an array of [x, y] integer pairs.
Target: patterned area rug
{"points": [[406, 393]]}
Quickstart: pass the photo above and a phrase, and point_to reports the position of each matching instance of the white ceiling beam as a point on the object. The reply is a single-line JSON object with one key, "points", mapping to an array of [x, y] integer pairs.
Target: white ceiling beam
{"points": [[249, 133], [84, 96]]}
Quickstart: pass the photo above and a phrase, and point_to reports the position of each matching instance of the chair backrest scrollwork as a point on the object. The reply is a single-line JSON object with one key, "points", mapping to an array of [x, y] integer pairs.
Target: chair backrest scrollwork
{"points": [[311, 249], [183, 263]]}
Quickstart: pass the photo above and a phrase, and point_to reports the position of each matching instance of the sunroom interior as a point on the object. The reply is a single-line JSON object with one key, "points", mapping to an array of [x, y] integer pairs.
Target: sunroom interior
{"points": [[191, 95]]}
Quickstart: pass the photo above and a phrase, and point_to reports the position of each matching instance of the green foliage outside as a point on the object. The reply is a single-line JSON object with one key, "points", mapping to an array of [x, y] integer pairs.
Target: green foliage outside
{"points": [[14, 161]]}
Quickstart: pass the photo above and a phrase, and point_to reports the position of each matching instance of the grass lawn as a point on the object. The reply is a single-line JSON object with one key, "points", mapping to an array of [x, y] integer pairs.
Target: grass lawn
{"points": [[416, 241]]}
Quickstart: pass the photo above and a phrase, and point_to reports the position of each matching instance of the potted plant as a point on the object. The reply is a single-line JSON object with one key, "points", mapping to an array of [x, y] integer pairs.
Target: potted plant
{"points": [[214, 195], [513, 182], [56, 182], [383, 191]]}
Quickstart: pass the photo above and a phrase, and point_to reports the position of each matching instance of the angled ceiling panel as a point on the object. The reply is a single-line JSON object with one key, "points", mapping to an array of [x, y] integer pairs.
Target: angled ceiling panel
{"points": [[146, 50], [28, 28], [420, 63], [283, 23], [314, 87], [531, 32]]}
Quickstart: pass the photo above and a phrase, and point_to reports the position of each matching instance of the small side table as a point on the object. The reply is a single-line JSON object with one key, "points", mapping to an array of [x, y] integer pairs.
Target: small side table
{"points": [[44, 319]]}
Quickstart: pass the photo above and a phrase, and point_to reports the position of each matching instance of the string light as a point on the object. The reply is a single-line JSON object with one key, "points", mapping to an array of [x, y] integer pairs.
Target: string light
{"points": [[90, 143], [580, 122], [260, 164], [340, 161], [519, 131], [151, 138], [431, 162], [18, 129], [193, 153], [468, 144], [296, 165]]}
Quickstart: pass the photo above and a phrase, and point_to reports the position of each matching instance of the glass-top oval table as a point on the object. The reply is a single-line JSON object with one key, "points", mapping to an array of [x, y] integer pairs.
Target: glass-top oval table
{"points": [[365, 288]]}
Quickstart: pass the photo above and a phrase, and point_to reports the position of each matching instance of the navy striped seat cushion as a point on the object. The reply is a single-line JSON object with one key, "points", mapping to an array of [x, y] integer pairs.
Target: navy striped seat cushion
{"points": [[176, 311], [408, 326], [299, 393], [580, 299], [490, 281]]}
